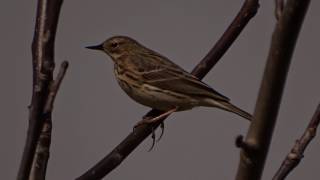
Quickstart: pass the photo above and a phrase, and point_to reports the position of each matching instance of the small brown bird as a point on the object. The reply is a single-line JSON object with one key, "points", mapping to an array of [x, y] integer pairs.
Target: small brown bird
{"points": [[153, 80]]}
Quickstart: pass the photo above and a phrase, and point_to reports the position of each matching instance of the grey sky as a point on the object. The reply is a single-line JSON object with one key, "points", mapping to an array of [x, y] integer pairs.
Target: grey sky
{"points": [[92, 114]]}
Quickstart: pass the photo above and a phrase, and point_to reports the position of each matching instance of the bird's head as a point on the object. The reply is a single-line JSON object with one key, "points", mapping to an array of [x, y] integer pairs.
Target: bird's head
{"points": [[117, 46]]}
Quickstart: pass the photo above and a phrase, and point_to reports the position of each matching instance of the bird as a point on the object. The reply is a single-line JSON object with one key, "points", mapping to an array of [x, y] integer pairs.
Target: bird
{"points": [[153, 80]]}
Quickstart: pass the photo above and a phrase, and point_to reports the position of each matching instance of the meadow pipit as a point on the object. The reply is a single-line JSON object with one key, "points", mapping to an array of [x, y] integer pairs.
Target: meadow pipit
{"points": [[153, 80]]}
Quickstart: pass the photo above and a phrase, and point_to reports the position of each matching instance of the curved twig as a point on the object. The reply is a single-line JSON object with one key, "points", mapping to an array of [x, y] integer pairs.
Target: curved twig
{"points": [[296, 153], [115, 157]]}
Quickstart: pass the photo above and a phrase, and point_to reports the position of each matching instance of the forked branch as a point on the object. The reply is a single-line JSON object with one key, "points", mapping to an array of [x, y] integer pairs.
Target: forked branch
{"points": [[43, 65], [40, 161]]}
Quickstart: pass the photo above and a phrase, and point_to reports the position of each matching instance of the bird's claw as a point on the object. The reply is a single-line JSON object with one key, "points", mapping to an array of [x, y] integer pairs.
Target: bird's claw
{"points": [[152, 121], [153, 136], [162, 131], [146, 121]]}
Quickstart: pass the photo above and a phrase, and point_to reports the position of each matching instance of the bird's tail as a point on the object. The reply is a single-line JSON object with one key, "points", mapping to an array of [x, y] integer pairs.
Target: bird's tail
{"points": [[225, 105], [234, 109]]}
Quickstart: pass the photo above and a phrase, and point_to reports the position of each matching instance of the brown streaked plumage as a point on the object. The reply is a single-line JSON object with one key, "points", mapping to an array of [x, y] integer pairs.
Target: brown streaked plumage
{"points": [[154, 81]]}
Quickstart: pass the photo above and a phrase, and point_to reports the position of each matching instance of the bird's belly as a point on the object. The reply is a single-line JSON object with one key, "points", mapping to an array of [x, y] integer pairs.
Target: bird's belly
{"points": [[156, 98]]}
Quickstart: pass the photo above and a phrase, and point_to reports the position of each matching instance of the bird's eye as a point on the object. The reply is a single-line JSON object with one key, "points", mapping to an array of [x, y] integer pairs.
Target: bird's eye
{"points": [[114, 45]]}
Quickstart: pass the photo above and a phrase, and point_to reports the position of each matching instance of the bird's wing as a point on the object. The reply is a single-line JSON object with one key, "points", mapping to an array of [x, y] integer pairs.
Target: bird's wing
{"points": [[177, 80]]}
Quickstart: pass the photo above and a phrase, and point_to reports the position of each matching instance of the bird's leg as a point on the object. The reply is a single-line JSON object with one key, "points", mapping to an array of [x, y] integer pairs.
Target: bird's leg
{"points": [[148, 120], [156, 119]]}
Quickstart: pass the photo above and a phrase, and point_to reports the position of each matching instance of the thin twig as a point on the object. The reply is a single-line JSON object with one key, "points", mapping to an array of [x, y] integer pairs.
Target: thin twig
{"points": [[54, 88], [296, 154], [40, 161], [257, 141], [115, 157], [43, 66]]}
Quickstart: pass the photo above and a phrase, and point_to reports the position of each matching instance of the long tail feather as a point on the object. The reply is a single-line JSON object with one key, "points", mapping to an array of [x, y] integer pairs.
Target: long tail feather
{"points": [[234, 109], [226, 105]]}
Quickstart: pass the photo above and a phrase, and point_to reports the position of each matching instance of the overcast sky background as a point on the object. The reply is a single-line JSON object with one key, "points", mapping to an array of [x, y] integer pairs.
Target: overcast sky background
{"points": [[92, 114]]}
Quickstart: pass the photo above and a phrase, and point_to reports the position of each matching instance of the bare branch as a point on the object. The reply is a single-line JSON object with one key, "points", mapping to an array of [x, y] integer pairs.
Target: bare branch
{"points": [[252, 158], [247, 11], [114, 158], [296, 154], [54, 88], [43, 66], [40, 161], [279, 8], [41, 157]]}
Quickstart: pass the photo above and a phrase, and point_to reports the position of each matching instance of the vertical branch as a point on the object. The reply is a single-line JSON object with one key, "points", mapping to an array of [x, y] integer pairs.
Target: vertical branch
{"points": [[255, 148], [120, 152], [43, 66], [41, 157], [296, 153], [279, 4]]}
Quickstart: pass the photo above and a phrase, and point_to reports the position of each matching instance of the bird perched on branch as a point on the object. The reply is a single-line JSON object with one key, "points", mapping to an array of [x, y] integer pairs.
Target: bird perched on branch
{"points": [[154, 81]]}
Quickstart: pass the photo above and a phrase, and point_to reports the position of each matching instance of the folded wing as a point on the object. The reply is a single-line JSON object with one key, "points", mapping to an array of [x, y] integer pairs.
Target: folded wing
{"points": [[178, 80]]}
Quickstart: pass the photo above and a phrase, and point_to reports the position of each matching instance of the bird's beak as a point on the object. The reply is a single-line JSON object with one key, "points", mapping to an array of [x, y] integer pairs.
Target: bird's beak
{"points": [[97, 47]]}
